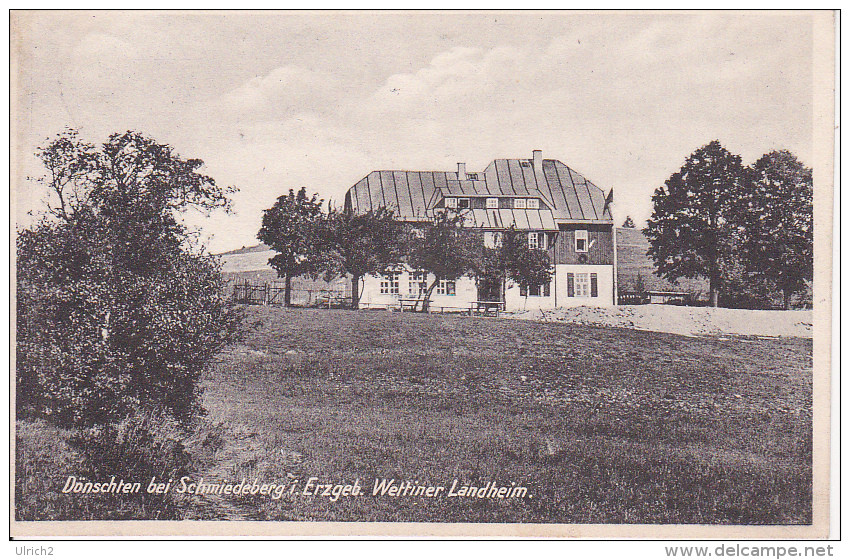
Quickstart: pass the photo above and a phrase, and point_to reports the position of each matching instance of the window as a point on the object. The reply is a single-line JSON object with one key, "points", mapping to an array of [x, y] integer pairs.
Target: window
{"points": [[446, 288], [582, 284], [492, 203], [581, 241], [451, 202], [519, 203], [533, 204], [525, 163], [537, 240], [417, 283], [472, 176], [389, 283], [492, 239], [463, 203], [544, 290]]}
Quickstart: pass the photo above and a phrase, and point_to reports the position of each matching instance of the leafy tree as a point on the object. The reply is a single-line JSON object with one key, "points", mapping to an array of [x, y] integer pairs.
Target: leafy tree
{"points": [[629, 223], [778, 245], [117, 312], [290, 229], [360, 244], [691, 231], [521, 263], [443, 248]]}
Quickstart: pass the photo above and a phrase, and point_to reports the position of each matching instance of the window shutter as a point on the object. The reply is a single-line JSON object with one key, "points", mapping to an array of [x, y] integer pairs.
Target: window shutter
{"points": [[594, 290], [546, 289], [571, 285], [523, 290]]}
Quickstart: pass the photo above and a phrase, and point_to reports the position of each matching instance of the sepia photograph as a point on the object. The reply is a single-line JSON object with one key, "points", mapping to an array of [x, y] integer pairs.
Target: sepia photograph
{"points": [[421, 273]]}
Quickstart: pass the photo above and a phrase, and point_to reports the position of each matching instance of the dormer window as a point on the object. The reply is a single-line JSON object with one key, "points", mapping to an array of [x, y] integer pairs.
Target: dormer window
{"points": [[519, 203], [451, 203], [581, 241], [532, 204], [525, 163], [472, 176], [492, 203]]}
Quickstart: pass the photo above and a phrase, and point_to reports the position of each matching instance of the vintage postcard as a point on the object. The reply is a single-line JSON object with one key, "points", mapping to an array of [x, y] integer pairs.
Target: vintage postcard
{"points": [[422, 273]]}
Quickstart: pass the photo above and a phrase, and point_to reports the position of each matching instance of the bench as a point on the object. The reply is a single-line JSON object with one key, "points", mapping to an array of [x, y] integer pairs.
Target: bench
{"points": [[490, 308]]}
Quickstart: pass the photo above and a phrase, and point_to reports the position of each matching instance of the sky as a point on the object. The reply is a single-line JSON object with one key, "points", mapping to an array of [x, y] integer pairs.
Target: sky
{"points": [[272, 101]]}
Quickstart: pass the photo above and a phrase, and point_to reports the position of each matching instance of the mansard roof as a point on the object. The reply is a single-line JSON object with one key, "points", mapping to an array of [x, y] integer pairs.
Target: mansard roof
{"points": [[565, 195]]}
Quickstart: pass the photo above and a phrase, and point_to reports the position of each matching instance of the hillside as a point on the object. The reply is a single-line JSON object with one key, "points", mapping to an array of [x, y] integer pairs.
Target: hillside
{"points": [[632, 261], [601, 425], [245, 250]]}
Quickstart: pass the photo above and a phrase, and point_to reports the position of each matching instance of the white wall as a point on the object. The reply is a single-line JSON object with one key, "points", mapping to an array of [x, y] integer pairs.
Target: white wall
{"points": [[605, 285], [466, 292], [516, 302]]}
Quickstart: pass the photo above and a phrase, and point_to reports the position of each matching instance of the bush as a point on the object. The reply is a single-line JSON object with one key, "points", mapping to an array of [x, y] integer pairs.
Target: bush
{"points": [[117, 313], [96, 345]]}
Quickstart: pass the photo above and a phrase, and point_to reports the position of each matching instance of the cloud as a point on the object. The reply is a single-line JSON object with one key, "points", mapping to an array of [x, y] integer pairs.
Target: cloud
{"points": [[281, 92], [621, 98]]}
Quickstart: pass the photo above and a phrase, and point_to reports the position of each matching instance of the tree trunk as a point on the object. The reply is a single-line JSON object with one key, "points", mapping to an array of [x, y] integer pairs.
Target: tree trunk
{"points": [[786, 299], [287, 294], [715, 291], [355, 291], [426, 302]]}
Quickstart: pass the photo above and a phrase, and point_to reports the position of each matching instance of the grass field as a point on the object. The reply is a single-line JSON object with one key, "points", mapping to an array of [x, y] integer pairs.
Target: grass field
{"points": [[602, 425]]}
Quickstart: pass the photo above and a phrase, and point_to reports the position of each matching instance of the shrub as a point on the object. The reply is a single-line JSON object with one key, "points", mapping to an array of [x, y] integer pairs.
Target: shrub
{"points": [[117, 312]]}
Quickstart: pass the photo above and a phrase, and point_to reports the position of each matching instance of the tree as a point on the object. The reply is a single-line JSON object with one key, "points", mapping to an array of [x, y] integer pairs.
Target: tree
{"points": [[290, 229], [117, 311], [443, 248], [521, 263], [360, 244], [629, 223], [691, 230], [778, 245]]}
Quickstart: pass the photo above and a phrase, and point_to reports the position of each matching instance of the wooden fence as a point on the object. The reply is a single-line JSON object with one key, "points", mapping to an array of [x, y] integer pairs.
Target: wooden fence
{"points": [[643, 298], [274, 293]]}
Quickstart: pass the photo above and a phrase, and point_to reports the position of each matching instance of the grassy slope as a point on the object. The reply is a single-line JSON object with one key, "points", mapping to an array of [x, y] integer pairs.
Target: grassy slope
{"points": [[609, 425], [632, 260]]}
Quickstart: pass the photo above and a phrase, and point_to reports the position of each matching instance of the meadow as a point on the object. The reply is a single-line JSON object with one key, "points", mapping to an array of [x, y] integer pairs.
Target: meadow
{"points": [[600, 424]]}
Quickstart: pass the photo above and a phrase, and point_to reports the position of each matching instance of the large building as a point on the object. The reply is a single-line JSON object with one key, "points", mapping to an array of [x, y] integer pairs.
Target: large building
{"points": [[562, 212]]}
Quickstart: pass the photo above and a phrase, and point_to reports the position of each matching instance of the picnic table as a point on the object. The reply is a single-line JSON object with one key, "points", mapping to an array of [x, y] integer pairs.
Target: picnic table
{"points": [[486, 307], [409, 303], [333, 300]]}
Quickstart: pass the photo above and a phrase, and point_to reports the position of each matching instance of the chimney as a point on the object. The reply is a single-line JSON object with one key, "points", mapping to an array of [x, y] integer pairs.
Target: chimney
{"points": [[461, 172], [537, 157]]}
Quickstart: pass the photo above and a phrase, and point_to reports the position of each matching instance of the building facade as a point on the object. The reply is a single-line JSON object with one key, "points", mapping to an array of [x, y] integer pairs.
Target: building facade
{"points": [[562, 212]]}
